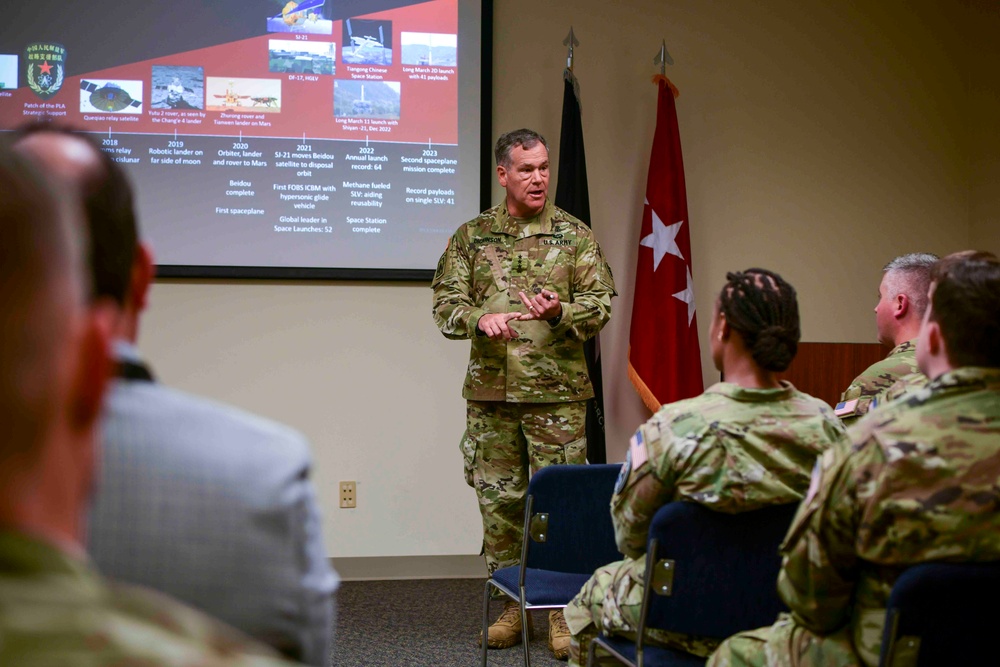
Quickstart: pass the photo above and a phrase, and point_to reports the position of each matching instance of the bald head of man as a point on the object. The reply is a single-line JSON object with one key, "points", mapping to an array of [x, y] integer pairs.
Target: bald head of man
{"points": [[54, 357], [121, 268]]}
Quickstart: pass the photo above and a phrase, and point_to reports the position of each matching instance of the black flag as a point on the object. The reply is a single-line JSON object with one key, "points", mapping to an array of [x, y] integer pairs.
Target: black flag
{"points": [[573, 196]]}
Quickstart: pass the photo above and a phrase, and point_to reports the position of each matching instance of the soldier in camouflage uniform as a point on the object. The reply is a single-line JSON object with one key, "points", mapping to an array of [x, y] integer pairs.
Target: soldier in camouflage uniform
{"points": [[744, 444], [54, 362], [918, 484], [528, 284], [900, 308]]}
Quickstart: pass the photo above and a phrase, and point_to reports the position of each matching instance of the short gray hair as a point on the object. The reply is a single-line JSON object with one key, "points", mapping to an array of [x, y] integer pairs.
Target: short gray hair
{"points": [[524, 138], [911, 275]]}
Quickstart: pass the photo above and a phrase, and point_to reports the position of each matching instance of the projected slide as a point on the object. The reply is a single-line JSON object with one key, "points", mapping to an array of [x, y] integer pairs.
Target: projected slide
{"points": [[312, 134]]}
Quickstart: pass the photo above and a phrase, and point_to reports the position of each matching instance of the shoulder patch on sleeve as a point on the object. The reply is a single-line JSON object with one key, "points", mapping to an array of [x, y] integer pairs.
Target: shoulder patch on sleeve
{"points": [[624, 473], [846, 408], [637, 449]]}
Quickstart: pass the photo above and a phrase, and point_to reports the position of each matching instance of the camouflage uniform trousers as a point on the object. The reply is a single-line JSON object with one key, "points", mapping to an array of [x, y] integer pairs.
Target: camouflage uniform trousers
{"points": [[785, 644], [502, 443], [612, 599]]}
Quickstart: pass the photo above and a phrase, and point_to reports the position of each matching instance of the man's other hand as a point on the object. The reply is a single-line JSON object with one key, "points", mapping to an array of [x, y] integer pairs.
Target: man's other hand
{"points": [[495, 325]]}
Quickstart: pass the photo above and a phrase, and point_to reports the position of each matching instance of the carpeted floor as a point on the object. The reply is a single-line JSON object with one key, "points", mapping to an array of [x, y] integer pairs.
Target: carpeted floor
{"points": [[422, 622]]}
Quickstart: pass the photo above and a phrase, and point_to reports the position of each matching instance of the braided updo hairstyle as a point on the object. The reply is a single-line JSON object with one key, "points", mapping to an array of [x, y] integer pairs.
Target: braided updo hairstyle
{"points": [[763, 308]]}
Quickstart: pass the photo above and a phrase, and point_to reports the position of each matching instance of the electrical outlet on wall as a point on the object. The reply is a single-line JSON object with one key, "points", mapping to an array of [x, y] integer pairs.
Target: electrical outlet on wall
{"points": [[348, 495]]}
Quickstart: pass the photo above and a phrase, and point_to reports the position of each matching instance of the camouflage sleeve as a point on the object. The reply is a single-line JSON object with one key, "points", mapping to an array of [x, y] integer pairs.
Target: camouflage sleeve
{"points": [[593, 286], [665, 459], [454, 311], [820, 561]]}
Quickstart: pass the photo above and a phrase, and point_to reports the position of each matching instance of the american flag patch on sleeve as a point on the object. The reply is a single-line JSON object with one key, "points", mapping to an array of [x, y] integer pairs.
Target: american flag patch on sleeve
{"points": [[845, 408], [637, 450]]}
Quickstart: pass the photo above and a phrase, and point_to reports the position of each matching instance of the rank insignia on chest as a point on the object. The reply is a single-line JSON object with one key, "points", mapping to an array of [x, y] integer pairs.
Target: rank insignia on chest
{"points": [[520, 264]]}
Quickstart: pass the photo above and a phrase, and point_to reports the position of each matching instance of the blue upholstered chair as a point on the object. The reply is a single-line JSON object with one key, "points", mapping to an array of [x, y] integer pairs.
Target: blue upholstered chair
{"points": [[708, 574], [568, 534], [940, 614]]}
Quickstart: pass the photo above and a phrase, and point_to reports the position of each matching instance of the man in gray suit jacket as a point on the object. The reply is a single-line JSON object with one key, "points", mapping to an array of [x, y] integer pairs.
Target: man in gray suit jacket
{"points": [[197, 499]]}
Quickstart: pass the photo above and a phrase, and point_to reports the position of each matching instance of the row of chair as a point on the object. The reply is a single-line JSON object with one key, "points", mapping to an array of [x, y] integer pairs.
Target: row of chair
{"points": [[712, 574]]}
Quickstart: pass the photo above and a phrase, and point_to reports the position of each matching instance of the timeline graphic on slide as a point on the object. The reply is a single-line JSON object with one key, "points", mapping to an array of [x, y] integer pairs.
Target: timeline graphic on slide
{"points": [[263, 133]]}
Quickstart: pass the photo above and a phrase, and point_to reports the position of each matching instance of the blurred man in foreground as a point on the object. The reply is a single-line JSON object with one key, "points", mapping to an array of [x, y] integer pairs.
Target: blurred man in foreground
{"points": [[199, 500], [54, 362]]}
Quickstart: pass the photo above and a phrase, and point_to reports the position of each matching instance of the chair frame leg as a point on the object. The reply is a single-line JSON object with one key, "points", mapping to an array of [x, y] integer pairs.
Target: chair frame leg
{"points": [[486, 619], [524, 627], [592, 654]]}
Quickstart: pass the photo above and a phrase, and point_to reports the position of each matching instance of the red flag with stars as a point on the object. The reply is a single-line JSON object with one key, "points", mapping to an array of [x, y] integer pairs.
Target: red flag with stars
{"points": [[664, 358]]}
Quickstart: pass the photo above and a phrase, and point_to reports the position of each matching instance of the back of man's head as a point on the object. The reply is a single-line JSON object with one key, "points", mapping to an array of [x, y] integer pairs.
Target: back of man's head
{"points": [[107, 199], [965, 303], [910, 275], [42, 293]]}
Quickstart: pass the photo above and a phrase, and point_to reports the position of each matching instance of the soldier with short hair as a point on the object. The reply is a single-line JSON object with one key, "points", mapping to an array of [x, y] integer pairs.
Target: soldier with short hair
{"points": [[902, 301], [918, 484], [246, 488], [528, 284], [746, 443], [54, 367]]}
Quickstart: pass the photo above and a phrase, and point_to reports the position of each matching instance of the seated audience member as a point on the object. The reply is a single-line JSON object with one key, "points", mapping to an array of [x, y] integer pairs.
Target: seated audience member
{"points": [[902, 300], [196, 499], [745, 443], [54, 362], [918, 483]]}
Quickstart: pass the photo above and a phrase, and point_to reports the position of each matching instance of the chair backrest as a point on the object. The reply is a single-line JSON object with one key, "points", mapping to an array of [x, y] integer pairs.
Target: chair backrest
{"points": [[725, 568], [942, 614], [579, 537]]}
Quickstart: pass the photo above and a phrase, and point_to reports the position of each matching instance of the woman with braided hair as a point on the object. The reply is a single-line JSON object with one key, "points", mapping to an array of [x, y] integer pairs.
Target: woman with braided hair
{"points": [[748, 442]]}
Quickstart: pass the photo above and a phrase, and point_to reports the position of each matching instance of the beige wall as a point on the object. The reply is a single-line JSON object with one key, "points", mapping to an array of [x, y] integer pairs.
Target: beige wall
{"points": [[820, 138], [984, 105]]}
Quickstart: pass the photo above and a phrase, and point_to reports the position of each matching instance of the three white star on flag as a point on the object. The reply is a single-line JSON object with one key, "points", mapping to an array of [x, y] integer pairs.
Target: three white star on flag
{"points": [[663, 239]]}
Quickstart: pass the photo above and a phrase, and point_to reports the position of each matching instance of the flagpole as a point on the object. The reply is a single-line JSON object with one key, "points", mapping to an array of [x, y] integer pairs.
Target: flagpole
{"points": [[573, 196], [664, 357], [570, 42]]}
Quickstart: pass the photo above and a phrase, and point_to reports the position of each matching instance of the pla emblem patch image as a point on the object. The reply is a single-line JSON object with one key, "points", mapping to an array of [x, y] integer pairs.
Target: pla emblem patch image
{"points": [[45, 68]]}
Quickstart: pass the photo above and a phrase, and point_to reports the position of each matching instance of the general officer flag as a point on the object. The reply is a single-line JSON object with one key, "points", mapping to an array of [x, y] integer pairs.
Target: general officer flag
{"points": [[573, 196], [664, 358]]}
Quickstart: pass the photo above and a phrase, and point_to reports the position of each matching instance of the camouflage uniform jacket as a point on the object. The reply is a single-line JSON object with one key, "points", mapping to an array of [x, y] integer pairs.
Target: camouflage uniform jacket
{"points": [[487, 262], [904, 386], [55, 610], [919, 484], [731, 449], [869, 388]]}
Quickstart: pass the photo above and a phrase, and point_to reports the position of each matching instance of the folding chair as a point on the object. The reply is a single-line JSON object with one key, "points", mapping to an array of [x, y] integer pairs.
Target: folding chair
{"points": [[708, 574], [938, 615], [567, 535]]}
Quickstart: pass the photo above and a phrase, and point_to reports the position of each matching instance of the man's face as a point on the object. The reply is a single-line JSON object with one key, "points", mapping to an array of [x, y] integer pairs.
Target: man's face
{"points": [[526, 180], [923, 351], [714, 342], [885, 321]]}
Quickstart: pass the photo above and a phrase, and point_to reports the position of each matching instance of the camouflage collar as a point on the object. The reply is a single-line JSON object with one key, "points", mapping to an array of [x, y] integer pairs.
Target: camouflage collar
{"points": [[540, 224], [23, 555], [968, 376], [745, 394], [908, 346]]}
